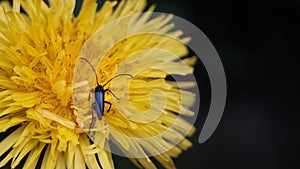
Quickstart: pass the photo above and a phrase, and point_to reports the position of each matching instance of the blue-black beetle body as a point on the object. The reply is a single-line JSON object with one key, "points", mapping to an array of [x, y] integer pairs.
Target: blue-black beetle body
{"points": [[99, 101]]}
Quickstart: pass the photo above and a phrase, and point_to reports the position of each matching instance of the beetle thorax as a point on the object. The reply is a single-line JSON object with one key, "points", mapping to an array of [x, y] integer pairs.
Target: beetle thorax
{"points": [[99, 88]]}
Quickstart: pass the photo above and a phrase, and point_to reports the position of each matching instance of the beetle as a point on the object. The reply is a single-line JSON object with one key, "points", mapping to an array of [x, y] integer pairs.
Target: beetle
{"points": [[99, 92]]}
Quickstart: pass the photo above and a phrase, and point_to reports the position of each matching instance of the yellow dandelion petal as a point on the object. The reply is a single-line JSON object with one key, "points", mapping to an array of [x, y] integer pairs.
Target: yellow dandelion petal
{"points": [[9, 141], [70, 156], [33, 157], [88, 156], [48, 160], [78, 158], [49, 100], [7, 123], [28, 147], [146, 162], [61, 162], [165, 160], [105, 159]]}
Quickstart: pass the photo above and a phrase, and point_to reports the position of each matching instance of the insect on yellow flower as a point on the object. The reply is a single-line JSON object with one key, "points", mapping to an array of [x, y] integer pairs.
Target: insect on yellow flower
{"points": [[44, 87]]}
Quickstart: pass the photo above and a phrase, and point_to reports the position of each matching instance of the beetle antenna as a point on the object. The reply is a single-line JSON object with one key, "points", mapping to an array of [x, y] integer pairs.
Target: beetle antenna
{"points": [[92, 68], [118, 76]]}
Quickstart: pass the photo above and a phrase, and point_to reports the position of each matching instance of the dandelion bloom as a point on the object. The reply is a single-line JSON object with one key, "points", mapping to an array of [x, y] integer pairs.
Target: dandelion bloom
{"points": [[39, 50]]}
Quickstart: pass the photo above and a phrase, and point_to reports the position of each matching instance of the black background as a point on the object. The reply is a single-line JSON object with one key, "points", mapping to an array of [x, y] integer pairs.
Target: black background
{"points": [[257, 42]]}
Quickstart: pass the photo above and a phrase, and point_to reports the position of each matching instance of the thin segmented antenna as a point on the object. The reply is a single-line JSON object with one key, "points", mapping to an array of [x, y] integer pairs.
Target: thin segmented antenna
{"points": [[118, 76], [92, 68]]}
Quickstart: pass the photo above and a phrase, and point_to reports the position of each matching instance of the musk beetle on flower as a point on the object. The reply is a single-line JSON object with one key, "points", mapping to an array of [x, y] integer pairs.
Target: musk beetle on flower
{"points": [[99, 92]]}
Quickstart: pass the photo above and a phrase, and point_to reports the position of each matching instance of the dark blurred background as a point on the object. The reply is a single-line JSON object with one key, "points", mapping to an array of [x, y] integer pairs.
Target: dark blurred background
{"points": [[257, 42]]}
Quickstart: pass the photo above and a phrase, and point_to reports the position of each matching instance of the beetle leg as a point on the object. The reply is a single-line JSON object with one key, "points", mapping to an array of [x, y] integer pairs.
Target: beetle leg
{"points": [[91, 91], [107, 90], [93, 117], [109, 105]]}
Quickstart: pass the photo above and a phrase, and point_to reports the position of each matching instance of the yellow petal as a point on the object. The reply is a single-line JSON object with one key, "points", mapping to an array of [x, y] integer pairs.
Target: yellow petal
{"points": [[33, 157], [7, 158], [67, 123], [78, 158], [9, 141], [165, 160], [90, 159], [34, 115], [70, 155], [105, 159], [61, 161], [28, 147], [49, 161], [7, 123]]}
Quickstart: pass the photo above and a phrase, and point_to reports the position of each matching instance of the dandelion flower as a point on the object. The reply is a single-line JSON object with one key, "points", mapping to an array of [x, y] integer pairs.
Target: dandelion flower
{"points": [[40, 85]]}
